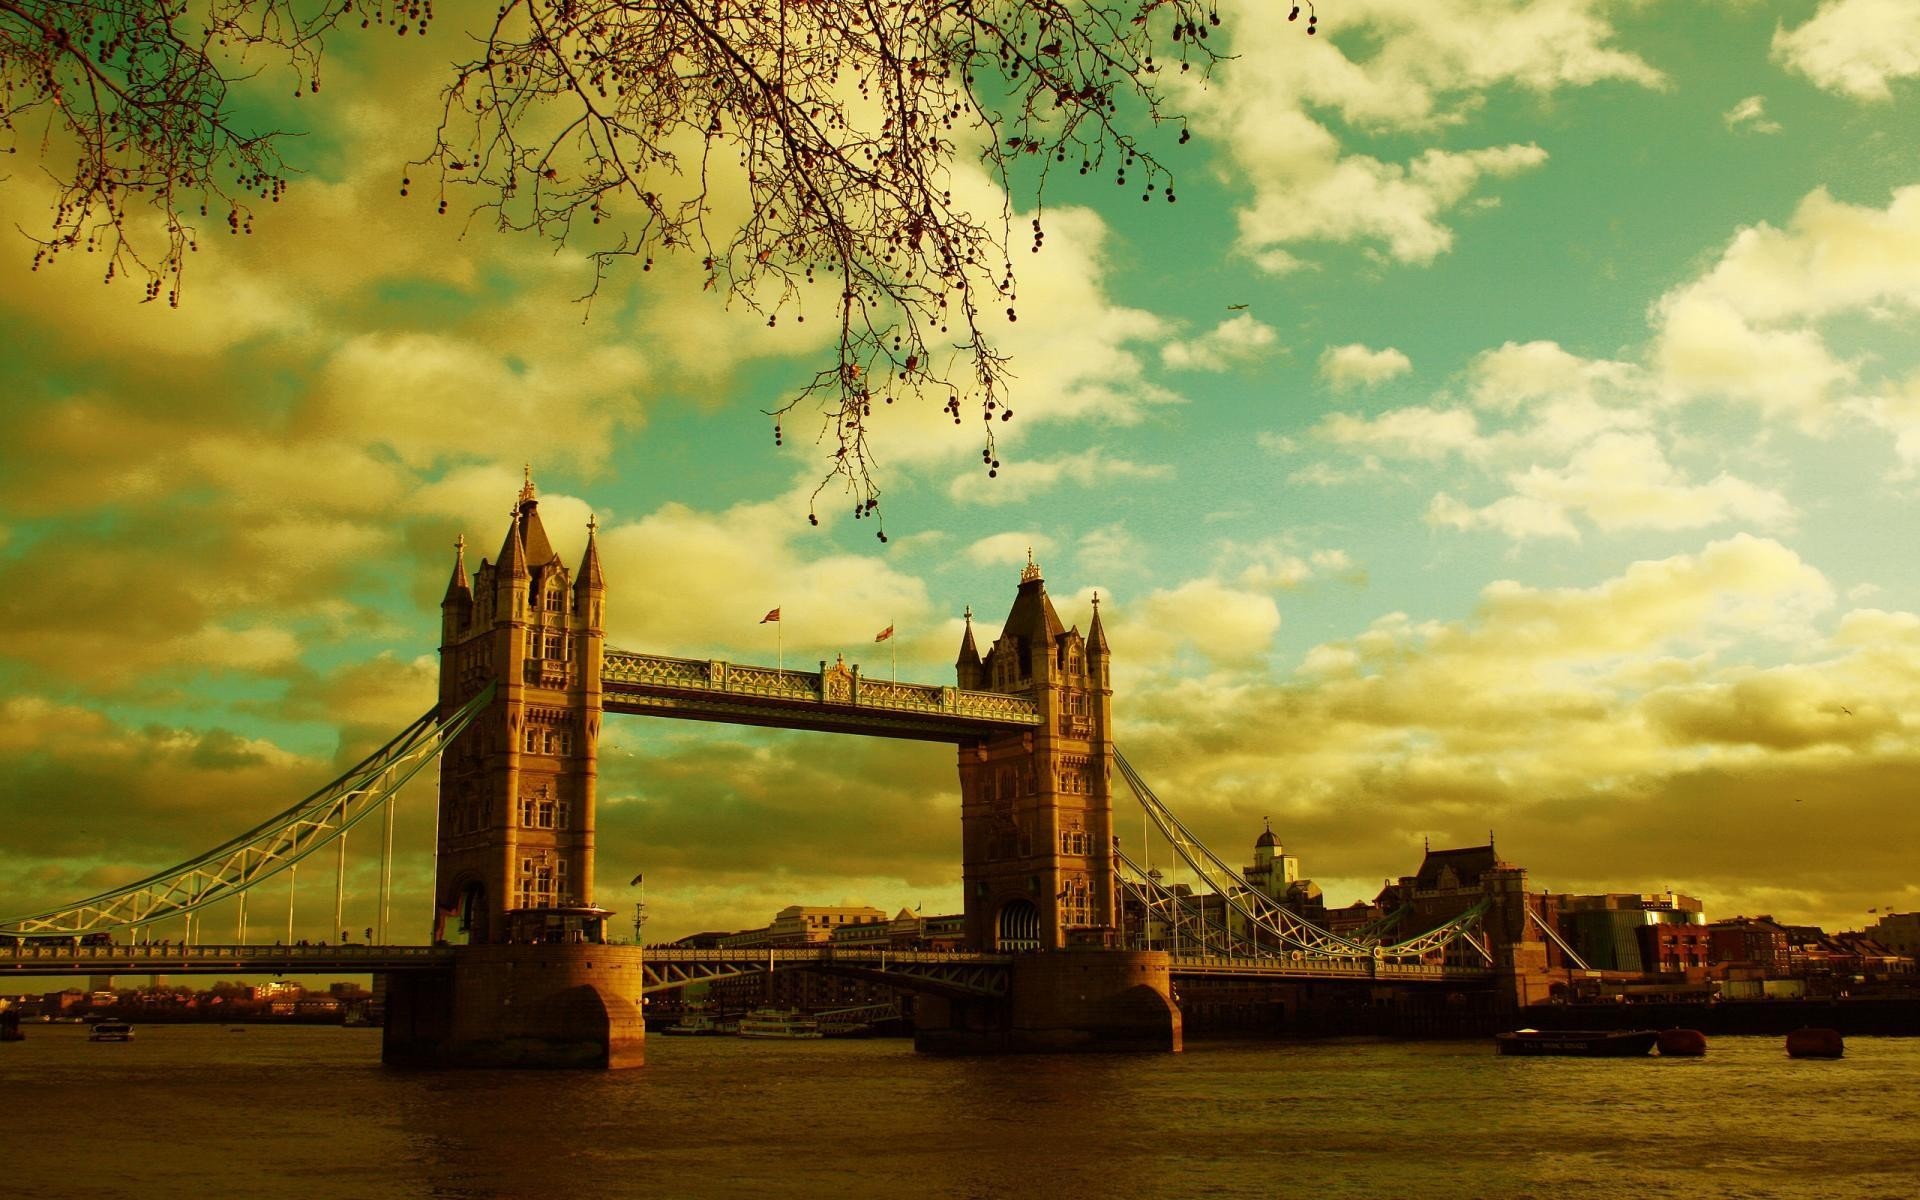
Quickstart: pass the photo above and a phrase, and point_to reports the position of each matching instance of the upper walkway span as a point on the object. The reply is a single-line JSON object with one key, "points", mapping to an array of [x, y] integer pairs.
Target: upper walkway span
{"points": [[834, 699]]}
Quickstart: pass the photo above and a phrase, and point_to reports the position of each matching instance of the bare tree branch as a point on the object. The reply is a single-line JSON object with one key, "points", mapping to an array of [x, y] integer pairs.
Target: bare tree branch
{"points": [[803, 150]]}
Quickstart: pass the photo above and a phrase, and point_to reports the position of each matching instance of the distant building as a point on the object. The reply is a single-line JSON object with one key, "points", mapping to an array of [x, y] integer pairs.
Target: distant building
{"points": [[1275, 874], [1756, 942], [1898, 932], [802, 925], [1636, 932]]}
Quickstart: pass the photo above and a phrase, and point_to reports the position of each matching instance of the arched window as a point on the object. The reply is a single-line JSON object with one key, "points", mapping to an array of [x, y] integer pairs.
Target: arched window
{"points": [[1018, 927]]}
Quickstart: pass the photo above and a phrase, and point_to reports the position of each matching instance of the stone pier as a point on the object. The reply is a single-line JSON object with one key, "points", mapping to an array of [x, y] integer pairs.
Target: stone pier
{"points": [[541, 1005], [1061, 1000]]}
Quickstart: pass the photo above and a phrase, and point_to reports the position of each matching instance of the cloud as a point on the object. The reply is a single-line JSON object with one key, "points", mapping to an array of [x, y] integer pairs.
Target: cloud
{"points": [[1233, 342], [1598, 728], [1857, 48], [1747, 329], [1416, 432], [1218, 621], [1619, 482], [1750, 115], [723, 570], [1387, 67], [1355, 365], [1020, 479], [1361, 199], [1009, 549]]}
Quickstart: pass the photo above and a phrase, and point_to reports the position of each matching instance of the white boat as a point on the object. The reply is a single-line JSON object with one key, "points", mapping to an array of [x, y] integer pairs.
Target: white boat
{"points": [[778, 1023], [698, 1025], [111, 1031]]}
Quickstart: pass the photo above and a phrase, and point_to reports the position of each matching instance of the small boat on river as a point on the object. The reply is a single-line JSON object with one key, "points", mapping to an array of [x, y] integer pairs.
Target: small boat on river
{"points": [[111, 1031], [698, 1025], [778, 1023], [1578, 1043]]}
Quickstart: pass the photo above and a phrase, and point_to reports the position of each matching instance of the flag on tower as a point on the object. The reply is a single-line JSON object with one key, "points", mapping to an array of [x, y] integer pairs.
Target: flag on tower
{"points": [[884, 634], [772, 615]]}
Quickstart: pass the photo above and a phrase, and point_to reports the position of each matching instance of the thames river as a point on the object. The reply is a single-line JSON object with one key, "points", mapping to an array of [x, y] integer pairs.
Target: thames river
{"points": [[309, 1111]]}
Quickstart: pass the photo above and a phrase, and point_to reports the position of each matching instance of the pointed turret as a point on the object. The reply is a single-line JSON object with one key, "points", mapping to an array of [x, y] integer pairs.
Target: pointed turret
{"points": [[589, 577], [590, 584], [967, 665], [1096, 632], [458, 590], [533, 534], [1031, 626], [513, 556]]}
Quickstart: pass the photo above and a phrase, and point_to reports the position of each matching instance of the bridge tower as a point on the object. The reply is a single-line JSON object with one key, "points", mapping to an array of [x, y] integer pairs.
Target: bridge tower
{"points": [[1036, 806], [535, 983], [517, 787]]}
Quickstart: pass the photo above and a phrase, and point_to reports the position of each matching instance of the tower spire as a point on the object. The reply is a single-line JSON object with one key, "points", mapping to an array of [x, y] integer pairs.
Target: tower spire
{"points": [[590, 578], [513, 557], [458, 590]]}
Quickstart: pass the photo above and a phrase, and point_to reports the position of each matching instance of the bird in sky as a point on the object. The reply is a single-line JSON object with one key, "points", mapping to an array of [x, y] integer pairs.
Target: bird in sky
{"points": [[1236, 308], [1846, 710]]}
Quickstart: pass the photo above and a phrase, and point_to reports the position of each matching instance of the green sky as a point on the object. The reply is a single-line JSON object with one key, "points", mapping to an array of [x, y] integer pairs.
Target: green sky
{"points": [[1557, 477]]}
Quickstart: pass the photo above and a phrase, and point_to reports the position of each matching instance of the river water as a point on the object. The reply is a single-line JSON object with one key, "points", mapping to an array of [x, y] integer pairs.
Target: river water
{"points": [[309, 1111]]}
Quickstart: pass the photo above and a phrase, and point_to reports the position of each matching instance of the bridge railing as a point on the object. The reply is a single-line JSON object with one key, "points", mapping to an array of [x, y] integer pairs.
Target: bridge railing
{"points": [[156, 951], [814, 687], [1358, 968], [814, 954]]}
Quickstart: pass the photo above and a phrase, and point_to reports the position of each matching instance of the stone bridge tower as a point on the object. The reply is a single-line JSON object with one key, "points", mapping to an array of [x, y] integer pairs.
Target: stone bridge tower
{"points": [[517, 787], [1036, 807]]}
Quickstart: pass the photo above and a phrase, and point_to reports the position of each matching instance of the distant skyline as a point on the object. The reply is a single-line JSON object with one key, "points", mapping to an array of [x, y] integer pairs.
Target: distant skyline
{"points": [[1515, 424]]}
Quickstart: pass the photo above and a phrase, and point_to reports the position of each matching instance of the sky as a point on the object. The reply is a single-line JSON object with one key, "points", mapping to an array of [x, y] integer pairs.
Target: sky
{"points": [[1514, 427]]}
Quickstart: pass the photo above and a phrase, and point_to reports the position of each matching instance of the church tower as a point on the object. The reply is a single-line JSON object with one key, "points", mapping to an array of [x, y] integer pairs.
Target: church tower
{"points": [[1036, 806], [517, 786]]}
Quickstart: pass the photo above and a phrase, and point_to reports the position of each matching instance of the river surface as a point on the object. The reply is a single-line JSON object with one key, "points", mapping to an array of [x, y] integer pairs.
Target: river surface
{"points": [[310, 1112]]}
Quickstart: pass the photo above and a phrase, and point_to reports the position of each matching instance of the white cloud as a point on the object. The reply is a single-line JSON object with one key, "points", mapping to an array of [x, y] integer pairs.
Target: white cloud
{"points": [[1748, 328], [1361, 199], [1417, 432], [1019, 479], [1237, 340], [1356, 365], [1386, 65], [728, 568], [1221, 623], [1010, 548], [1854, 47], [1750, 114], [1618, 482]]}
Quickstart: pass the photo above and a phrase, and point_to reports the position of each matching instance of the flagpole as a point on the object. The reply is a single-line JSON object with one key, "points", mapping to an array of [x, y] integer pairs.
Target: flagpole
{"points": [[893, 653], [779, 648]]}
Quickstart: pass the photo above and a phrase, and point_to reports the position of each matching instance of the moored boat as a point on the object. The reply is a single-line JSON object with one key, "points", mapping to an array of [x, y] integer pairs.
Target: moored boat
{"points": [[1578, 1043], [698, 1025], [111, 1031], [1815, 1043], [778, 1023], [1681, 1043]]}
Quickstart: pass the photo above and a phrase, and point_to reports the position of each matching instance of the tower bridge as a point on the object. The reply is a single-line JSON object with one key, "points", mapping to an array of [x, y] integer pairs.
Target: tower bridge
{"points": [[1058, 923]]}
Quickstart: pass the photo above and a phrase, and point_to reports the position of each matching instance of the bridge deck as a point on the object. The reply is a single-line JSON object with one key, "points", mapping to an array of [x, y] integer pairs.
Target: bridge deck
{"points": [[836, 700], [157, 959], [671, 966], [1222, 966]]}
